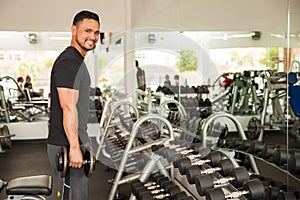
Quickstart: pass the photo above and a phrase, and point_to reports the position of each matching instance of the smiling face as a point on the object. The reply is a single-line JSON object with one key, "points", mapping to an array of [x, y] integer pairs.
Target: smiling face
{"points": [[85, 35]]}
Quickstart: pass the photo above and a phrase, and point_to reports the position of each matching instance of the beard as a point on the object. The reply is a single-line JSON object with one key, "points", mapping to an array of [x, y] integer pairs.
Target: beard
{"points": [[83, 46]]}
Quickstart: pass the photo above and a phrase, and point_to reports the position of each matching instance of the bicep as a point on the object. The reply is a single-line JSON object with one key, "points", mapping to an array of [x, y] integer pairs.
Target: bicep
{"points": [[68, 98]]}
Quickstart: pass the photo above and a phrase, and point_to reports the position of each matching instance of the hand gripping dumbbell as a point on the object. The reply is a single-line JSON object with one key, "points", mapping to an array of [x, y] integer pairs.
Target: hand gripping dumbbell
{"points": [[183, 163], [89, 161], [237, 177], [252, 189], [223, 167]]}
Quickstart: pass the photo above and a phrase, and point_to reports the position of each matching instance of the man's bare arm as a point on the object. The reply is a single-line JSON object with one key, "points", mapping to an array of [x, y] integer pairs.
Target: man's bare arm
{"points": [[68, 99]]}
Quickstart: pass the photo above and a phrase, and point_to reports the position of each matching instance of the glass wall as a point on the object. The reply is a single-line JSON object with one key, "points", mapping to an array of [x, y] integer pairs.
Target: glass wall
{"points": [[240, 71]]}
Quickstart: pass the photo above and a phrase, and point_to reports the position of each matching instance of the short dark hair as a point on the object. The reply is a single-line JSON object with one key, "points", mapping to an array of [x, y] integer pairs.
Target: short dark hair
{"points": [[136, 63], [19, 79], [85, 14]]}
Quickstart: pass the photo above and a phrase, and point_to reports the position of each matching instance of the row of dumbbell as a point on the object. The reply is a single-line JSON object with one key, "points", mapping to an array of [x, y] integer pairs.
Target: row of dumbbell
{"points": [[287, 159], [276, 190], [118, 140], [135, 161], [203, 175], [195, 102], [183, 89], [148, 130], [127, 121], [191, 123], [160, 188]]}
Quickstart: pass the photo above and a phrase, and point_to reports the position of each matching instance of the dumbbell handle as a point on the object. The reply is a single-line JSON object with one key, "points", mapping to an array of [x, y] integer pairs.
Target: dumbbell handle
{"points": [[210, 170], [152, 187], [200, 162], [223, 180], [235, 195], [157, 191], [184, 152], [84, 162], [161, 196]]}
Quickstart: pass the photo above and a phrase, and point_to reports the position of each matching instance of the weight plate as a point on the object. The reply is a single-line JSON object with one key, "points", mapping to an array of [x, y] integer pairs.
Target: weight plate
{"points": [[255, 188], [65, 161], [89, 167], [215, 194], [183, 163], [214, 157], [204, 182], [191, 173], [5, 141], [226, 166], [253, 128], [240, 175]]}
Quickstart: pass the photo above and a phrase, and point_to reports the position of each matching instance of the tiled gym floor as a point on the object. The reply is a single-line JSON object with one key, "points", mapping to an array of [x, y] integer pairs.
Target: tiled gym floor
{"points": [[28, 158]]}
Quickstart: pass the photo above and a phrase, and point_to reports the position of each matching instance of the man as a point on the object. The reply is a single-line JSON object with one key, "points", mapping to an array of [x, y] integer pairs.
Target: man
{"points": [[140, 76], [69, 108]]}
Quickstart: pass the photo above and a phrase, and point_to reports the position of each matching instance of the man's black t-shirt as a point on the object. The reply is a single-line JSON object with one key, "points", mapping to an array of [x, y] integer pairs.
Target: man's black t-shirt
{"points": [[69, 71]]}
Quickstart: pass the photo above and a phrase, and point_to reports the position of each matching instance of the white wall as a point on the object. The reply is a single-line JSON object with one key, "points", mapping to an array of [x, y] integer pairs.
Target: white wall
{"points": [[229, 15], [56, 15]]}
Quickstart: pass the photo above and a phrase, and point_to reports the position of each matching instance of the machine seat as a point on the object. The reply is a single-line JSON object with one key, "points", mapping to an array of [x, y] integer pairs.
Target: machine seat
{"points": [[31, 185]]}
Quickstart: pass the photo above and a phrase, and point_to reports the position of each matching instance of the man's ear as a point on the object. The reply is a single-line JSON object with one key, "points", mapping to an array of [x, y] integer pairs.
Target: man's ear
{"points": [[73, 30]]}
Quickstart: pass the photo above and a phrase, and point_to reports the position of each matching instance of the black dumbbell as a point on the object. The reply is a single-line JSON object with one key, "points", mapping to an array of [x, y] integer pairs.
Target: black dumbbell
{"points": [[176, 157], [159, 180], [172, 155], [223, 167], [256, 147], [237, 177], [294, 164], [279, 156], [213, 158], [89, 162], [195, 151], [252, 189], [134, 162], [217, 130], [171, 192], [267, 151], [164, 186]]}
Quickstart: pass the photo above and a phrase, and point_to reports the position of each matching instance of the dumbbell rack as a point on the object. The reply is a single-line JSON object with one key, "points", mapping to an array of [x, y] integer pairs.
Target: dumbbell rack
{"points": [[213, 140], [183, 115], [152, 163], [181, 109], [191, 189], [291, 176], [109, 123]]}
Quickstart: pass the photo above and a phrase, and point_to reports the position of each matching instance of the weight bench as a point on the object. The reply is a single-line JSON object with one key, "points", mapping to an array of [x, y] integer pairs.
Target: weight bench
{"points": [[29, 187]]}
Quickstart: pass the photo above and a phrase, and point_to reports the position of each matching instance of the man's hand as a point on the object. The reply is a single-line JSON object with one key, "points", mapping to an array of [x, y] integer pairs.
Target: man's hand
{"points": [[75, 158]]}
